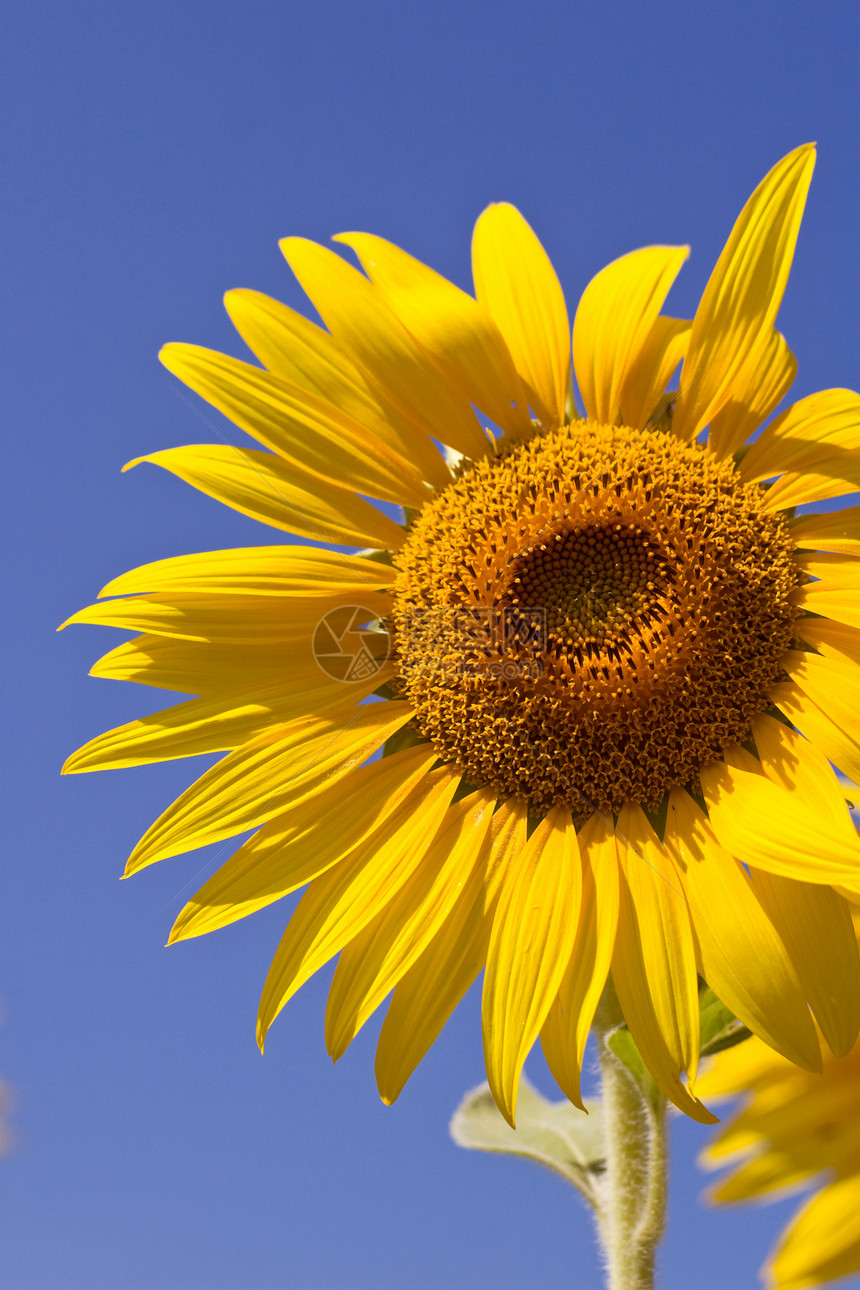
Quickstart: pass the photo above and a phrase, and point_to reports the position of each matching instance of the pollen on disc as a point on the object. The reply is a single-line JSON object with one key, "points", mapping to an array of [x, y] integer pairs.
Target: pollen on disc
{"points": [[590, 617]]}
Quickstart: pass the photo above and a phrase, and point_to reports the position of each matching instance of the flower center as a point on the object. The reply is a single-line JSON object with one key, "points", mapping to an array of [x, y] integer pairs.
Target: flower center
{"points": [[592, 582], [589, 617]]}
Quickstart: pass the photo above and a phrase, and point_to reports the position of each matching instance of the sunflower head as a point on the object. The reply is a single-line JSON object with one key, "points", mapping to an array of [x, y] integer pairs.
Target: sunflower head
{"points": [[606, 665]]}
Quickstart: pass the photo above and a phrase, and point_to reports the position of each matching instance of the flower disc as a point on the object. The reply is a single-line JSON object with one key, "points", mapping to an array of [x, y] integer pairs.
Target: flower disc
{"points": [[590, 617]]}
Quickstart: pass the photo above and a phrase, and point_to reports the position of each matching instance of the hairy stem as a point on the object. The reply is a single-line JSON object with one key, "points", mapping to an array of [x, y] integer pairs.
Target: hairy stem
{"points": [[633, 1208]]}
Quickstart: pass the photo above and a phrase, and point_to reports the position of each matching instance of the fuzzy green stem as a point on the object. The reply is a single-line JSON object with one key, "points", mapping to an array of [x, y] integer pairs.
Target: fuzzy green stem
{"points": [[633, 1209]]}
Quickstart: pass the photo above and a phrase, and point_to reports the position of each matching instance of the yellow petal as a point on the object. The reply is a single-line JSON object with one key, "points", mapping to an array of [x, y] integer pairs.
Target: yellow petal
{"points": [[833, 684], [531, 942], [749, 1067], [822, 425], [810, 1121], [760, 1176], [304, 429], [375, 960], [740, 302], [358, 316], [650, 372], [831, 566], [738, 756], [836, 473], [739, 951], [831, 531], [215, 724], [614, 320], [291, 346], [253, 621], [830, 638], [797, 765], [429, 992], [830, 599], [759, 388], [665, 936], [302, 842], [765, 827], [629, 976], [195, 667], [266, 488], [839, 746], [212, 670], [815, 926], [516, 282], [340, 903], [454, 329], [264, 777], [821, 706], [256, 570], [822, 1242], [565, 1032], [296, 349]]}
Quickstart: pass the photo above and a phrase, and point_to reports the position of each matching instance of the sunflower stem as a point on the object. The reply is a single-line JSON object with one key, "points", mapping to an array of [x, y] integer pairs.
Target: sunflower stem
{"points": [[632, 1214]]}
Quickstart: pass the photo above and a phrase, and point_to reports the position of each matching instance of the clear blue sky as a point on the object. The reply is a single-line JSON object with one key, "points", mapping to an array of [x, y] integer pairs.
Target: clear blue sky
{"points": [[156, 152]]}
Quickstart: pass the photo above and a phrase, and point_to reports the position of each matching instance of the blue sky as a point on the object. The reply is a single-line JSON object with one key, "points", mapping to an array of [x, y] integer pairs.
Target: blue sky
{"points": [[156, 153]]}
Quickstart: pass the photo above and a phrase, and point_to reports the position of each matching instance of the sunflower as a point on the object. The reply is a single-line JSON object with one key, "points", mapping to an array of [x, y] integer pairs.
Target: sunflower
{"points": [[603, 662], [795, 1129]]}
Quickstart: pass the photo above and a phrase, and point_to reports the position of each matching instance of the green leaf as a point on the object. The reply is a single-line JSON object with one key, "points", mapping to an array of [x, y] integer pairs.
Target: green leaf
{"points": [[624, 1047], [554, 1134], [719, 1028]]}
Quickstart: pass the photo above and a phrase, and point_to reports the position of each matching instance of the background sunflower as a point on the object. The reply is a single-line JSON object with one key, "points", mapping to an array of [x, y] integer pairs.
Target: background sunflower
{"points": [[794, 1131]]}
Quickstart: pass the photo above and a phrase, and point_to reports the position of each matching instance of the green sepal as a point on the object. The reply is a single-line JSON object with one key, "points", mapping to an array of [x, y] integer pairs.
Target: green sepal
{"points": [[402, 738], [556, 1135], [624, 1047], [379, 555], [658, 816], [462, 790], [661, 417], [774, 712], [571, 411], [719, 1028]]}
